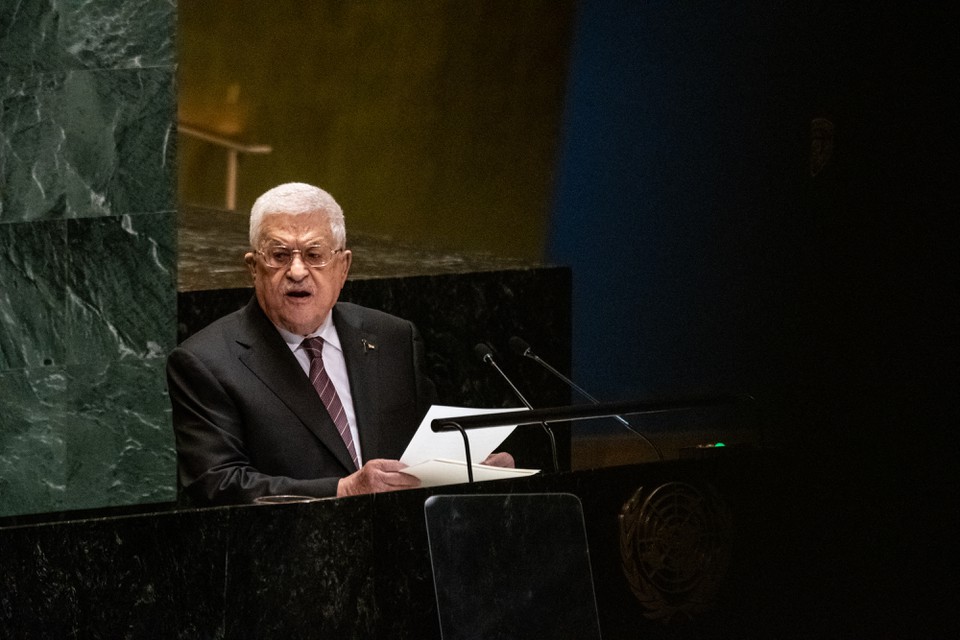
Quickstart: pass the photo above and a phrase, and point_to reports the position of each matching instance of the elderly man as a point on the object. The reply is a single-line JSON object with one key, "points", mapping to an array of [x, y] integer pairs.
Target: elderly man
{"points": [[297, 393]]}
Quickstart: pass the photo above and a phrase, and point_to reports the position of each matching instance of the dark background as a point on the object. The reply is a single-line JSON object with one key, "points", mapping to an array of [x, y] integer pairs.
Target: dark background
{"points": [[706, 257]]}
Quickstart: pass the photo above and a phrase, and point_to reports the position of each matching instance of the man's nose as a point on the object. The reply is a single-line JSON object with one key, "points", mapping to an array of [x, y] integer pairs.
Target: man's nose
{"points": [[298, 269]]}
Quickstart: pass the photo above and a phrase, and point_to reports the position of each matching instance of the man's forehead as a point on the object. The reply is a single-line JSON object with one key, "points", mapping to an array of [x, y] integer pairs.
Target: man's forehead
{"points": [[314, 224]]}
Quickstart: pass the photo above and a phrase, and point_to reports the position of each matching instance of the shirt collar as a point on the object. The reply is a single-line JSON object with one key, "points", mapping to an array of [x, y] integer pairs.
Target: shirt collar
{"points": [[327, 331]]}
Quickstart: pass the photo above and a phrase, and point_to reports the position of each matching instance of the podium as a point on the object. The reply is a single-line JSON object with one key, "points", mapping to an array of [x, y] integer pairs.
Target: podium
{"points": [[686, 548]]}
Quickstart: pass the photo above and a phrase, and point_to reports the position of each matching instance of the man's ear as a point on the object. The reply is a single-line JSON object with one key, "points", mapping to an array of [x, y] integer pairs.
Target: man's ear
{"points": [[347, 261], [251, 259]]}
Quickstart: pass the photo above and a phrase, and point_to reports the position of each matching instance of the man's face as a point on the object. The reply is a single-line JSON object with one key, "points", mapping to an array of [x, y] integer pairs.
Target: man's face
{"points": [[297, 297]]}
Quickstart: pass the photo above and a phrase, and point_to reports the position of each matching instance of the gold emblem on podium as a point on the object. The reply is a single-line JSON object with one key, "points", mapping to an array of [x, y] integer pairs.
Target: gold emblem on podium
{"points": [[675, 548]]}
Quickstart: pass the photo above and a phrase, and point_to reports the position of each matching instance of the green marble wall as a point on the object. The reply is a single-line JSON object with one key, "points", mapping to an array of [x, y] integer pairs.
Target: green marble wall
{"points": [[87, 253]]}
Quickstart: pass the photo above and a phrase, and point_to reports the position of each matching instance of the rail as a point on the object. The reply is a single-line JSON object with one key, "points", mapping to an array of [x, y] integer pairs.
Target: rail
{"points": [[233, 149]]}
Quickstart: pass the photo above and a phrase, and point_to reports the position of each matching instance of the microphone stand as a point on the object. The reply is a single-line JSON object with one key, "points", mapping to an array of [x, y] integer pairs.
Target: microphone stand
{"points": [[451, 425], [486, 355], [524, 350]]}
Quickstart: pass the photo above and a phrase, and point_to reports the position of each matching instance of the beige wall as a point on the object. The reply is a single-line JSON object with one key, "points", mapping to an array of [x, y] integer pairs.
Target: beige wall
{"points": [[436, 123]]}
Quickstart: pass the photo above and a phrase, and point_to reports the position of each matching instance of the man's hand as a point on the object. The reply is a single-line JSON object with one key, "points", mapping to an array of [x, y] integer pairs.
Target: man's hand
{"points": [[376, 476], [502, 459]]}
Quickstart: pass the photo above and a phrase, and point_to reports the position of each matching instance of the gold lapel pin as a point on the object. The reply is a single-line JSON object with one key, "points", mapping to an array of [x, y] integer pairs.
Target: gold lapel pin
{"points": [[368, 346]]}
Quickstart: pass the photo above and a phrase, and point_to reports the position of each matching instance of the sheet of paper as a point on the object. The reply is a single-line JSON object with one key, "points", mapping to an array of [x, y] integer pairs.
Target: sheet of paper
{"points": [[433, 473], [427, 445]]}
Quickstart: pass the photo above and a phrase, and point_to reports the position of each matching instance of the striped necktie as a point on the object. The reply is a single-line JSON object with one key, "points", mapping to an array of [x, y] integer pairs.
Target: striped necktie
{"points": [[328, 394]]}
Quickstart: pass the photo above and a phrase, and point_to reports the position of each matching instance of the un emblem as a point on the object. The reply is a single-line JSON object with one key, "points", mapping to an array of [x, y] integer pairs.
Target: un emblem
{"points": [[675, 548]]}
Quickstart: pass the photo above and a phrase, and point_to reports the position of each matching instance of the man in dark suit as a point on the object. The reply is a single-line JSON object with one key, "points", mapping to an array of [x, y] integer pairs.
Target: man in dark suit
{"points": [[297, 393]]}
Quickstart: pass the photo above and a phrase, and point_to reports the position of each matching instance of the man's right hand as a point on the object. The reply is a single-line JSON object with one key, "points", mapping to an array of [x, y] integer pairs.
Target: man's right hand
{"points": [[376, 476]]}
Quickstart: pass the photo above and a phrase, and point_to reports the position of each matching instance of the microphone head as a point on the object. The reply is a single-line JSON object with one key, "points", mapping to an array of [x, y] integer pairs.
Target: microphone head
{"points": [[484, 352], [520, 347]]}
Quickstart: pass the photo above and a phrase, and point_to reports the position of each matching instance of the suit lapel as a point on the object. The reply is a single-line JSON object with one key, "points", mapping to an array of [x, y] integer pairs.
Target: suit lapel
{"points": [[363, 369], [270, 359]]}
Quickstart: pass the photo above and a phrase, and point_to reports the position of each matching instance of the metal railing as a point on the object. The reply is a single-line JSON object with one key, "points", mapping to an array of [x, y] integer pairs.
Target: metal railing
{"points": [[233, 149]]}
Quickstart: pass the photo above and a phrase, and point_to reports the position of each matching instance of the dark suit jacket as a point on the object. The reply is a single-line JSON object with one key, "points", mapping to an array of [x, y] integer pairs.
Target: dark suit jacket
{"points": [[248, 422]]}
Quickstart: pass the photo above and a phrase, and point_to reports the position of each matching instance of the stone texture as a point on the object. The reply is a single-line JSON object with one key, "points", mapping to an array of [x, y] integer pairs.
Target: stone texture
{"points": [[362, 567], [47, 35], [87, 253], [33, 260], [121, 304], [86, 143]]}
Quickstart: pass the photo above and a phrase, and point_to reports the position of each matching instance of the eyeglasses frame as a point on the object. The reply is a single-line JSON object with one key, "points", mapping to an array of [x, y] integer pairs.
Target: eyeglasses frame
{"points": [[333, 256]]}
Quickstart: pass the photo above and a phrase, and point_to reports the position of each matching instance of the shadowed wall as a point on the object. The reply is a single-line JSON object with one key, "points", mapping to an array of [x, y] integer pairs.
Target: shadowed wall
{"points": [[717, 257], [433, 122]]}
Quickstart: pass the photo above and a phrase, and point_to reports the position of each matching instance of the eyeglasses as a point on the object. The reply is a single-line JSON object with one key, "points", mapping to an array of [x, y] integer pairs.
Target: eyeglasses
{"points": [[316, 256]]}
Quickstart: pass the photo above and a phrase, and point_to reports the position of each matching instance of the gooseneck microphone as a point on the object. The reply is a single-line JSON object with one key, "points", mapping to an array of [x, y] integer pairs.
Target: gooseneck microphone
{"points": [[485, 353], [521, 348]]}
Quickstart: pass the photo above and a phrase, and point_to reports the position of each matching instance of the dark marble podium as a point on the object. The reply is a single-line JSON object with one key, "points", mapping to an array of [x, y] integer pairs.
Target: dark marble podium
{"points": [[707, 544]]}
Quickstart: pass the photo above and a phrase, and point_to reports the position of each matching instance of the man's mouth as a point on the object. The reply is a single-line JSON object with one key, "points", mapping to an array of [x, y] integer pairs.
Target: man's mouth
{"points": [[298, 294]]}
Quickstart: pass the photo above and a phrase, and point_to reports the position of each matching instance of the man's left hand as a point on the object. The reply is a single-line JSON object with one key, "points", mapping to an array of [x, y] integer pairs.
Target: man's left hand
{"points": [[502, 459]]}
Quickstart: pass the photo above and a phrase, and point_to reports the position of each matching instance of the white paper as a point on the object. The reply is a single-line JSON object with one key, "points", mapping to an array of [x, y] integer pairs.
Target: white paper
{"points": [[439, 458], [438, 472], [428, 445]]}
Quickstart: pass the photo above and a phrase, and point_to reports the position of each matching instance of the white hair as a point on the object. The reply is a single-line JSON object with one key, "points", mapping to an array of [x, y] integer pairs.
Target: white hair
{"points": [[297, 198]]}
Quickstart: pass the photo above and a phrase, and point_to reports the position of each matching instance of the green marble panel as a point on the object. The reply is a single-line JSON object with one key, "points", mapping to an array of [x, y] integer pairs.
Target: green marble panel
{"points": [[87, 143], [33, 260], [121, 287], [43, 35], [85, 436], [32, 444], [119, 442], [87, 252]]}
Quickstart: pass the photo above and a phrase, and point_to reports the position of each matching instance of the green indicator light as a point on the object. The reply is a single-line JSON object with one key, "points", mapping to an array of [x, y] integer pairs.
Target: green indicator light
{"points": [[719, 444]]}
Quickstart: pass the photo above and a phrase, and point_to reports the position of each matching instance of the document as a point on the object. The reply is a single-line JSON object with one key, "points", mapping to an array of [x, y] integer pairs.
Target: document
{"points": [[438, 458]]}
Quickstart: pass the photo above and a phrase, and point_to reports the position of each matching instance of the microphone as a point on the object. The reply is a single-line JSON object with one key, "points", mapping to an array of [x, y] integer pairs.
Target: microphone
{"points": [[522, 349], [485, 353]]}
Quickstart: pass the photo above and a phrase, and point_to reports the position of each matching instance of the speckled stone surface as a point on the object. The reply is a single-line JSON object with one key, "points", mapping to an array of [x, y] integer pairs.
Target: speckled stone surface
{"points": [[362, 567]]}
